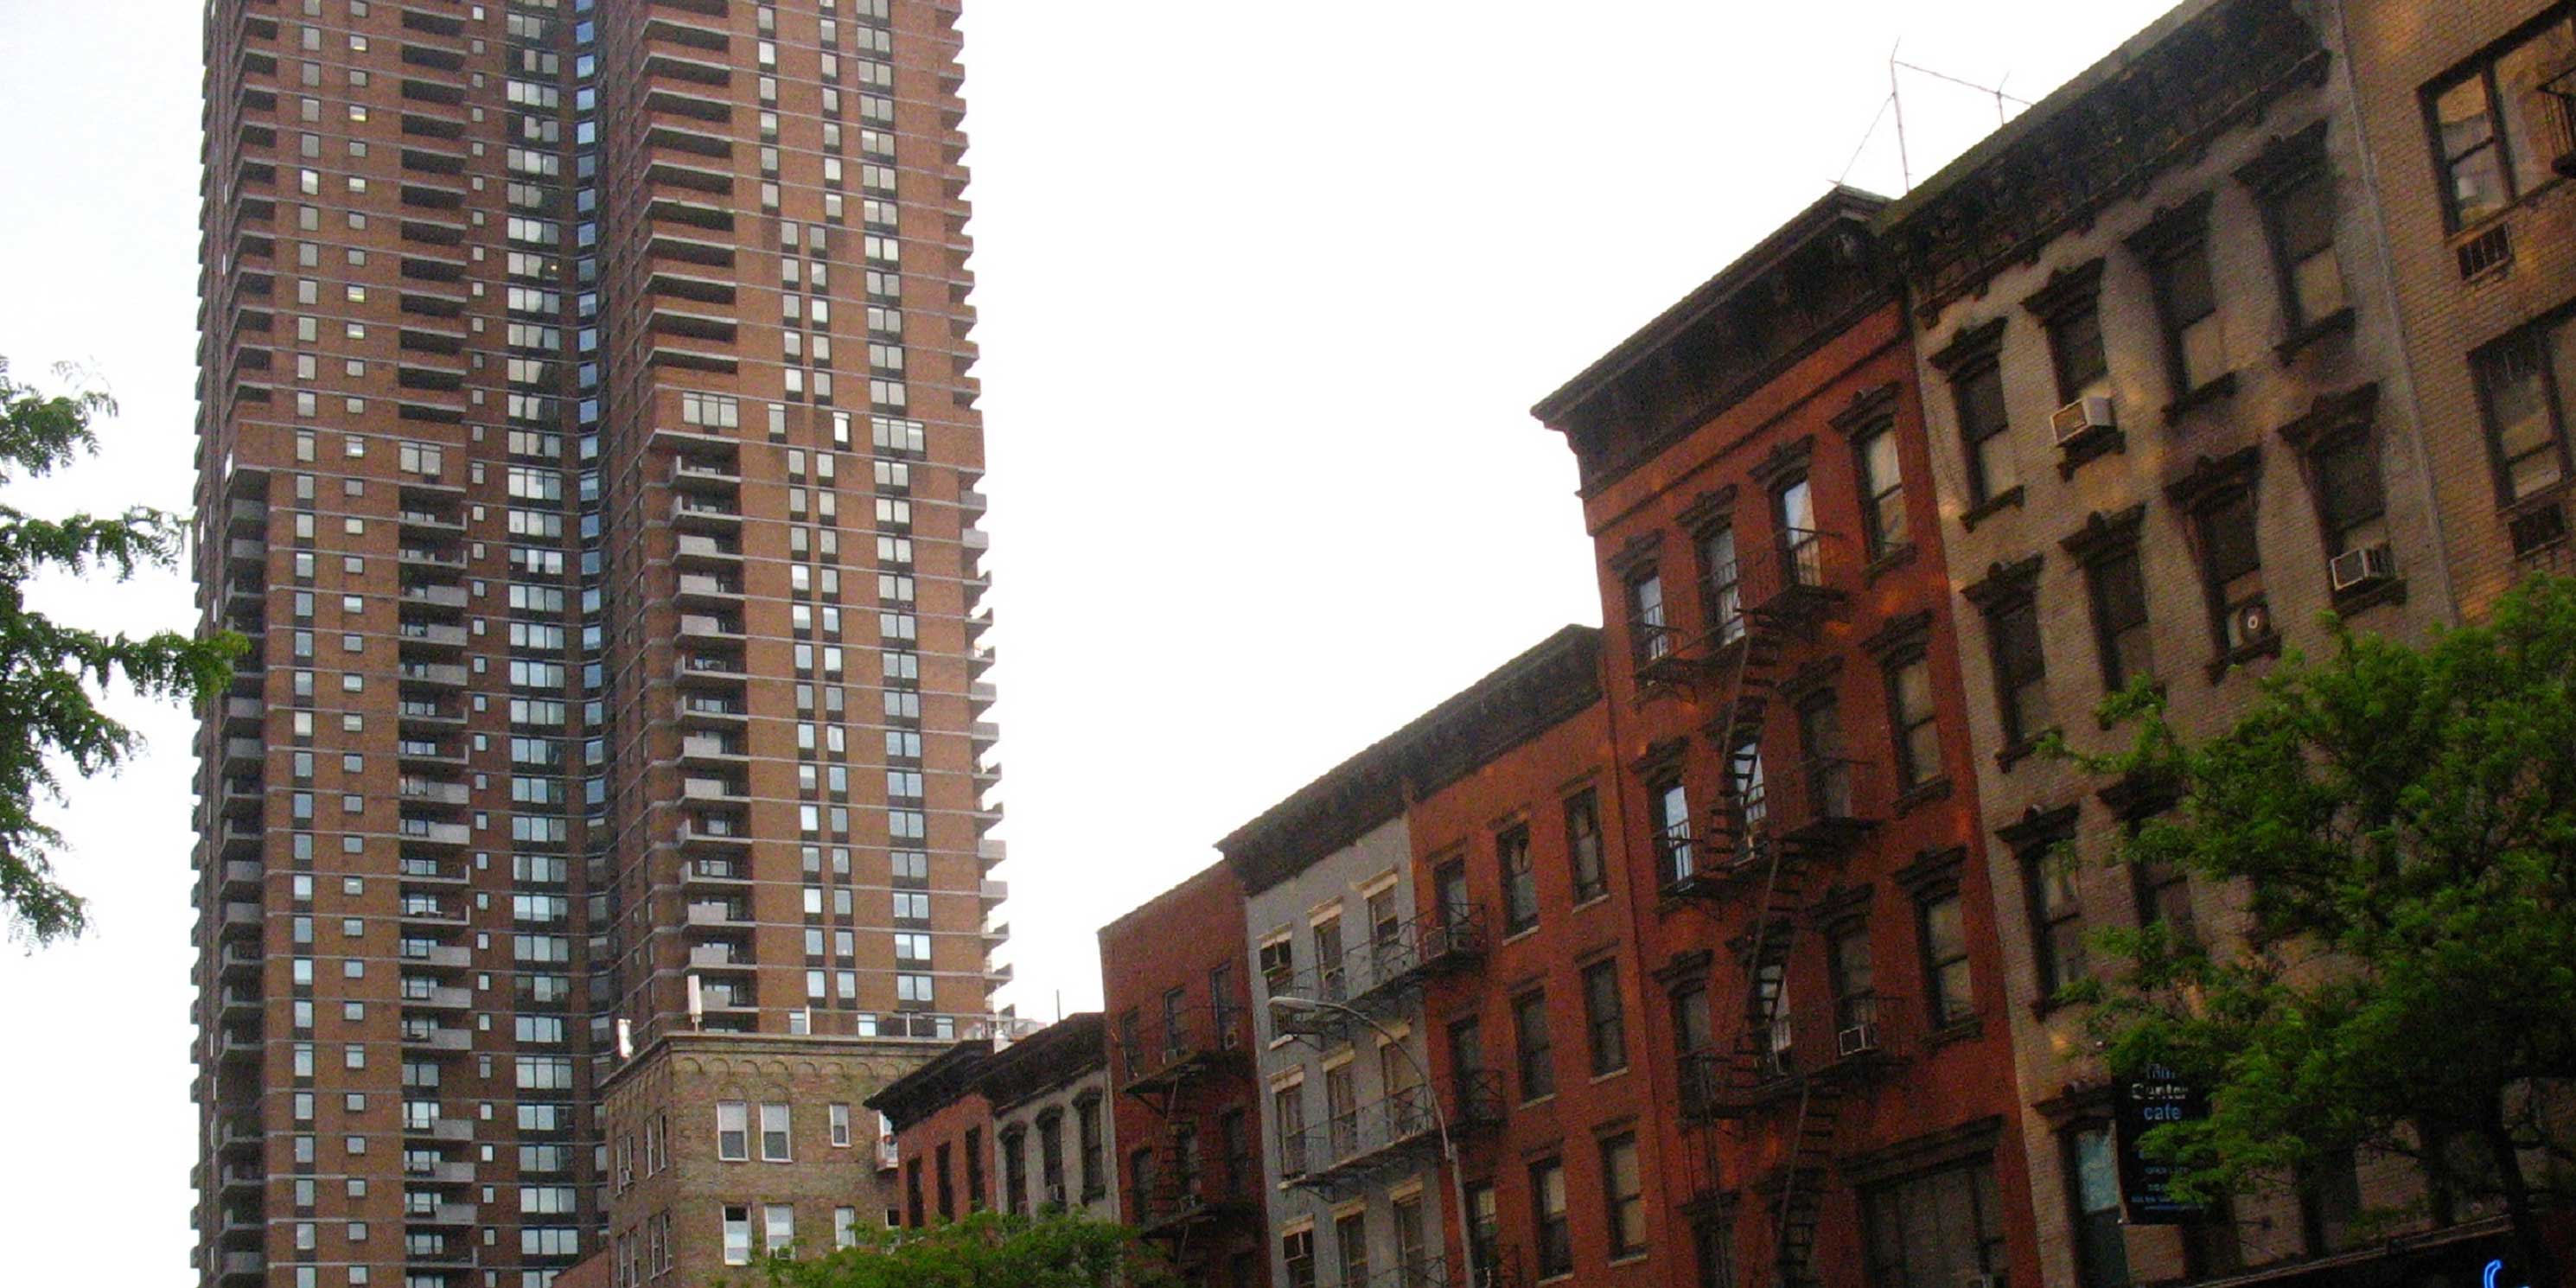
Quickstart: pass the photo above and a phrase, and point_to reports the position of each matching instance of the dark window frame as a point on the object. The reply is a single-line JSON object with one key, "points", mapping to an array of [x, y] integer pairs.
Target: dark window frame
{"points": [[2045, 876], [1521, 909], [1533, 1047], [2095, 1240], [1936, 962], [1605, 1018], [2533, 336], [1551, 1232], [1885, 527], [2482, 69], [2279, 205], [1903, 721], [1585, 862], [1650, 626]]}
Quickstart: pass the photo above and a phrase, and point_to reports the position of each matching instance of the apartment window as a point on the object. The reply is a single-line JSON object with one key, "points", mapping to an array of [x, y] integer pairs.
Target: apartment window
{"points": [[733, 1134], [2093, 1202], [2117, 585], [1051, 1157], [1015, 1171], [1297, 1252], [1341, 1109], [2021, 666], [840, 1115], [2526, 432], [1882, 492], [1853, 977], [774, 1146], [1095, 1178], [1604, 1020], [2075, 348], [2496, 131], [1583, 846], [1449, 893], [1467, 1059], [2232, 572], [1945, 958], [1828, 783], [1623, 1186], [778, 1229], [737, 1235], [1484, 1230], [1913, 720], [1985, 427], [1412, 1244], [1330, 968], [1520, 880], [1350, 1243], [914, 1215], [2299, 215], [942, 1167], [2176, 248], [1650, 638], [1288, 1110], [1536, 1054], [1550, 1232], [2163, 894], [1744, 775], [1721, 585], [2056, 917], [974, 1169], [1802, 545], [2352, 506], [1669, 803], [1938, 1228], [1234, 1146]]}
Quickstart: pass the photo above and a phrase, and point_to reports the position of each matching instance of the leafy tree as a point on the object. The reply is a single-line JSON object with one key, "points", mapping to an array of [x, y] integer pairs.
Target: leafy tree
{"points": [[48, 713], [2404, 819], [986, 1250]]}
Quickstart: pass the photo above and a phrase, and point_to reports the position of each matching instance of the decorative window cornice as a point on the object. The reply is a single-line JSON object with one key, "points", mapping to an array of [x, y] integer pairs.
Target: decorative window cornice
{"points": [[2068, 290], [1637, 556], [1867, 410], [1661, 756], [1899, 633], [2038, 826], [1970, 348], [1932, 868], [2140, 796], [2005, 583], [2214, 479], [2171, 228], [1708, 510], [1684, 968], [1786, 460], [2333, 415], [2104, 535], [1948, 1148], [2285, 160]]}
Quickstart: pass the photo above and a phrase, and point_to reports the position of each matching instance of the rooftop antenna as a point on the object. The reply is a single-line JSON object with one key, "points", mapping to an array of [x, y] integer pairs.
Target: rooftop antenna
{"points": [[1895, 104]]}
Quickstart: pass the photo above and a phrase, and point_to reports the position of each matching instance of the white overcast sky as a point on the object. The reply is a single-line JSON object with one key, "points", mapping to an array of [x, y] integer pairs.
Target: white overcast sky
{"points": [[1265, 293]]}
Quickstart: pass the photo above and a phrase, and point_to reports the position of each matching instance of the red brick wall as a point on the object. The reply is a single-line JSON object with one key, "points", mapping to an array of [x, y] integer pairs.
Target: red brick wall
{"points": [[1963, 1075], [920, 1142], [1174, 941]]}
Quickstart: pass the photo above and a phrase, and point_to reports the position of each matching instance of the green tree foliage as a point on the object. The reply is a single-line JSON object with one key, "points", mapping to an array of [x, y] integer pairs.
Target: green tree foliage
{"points": [[2404, 819], [986, 1250], [48, 670]]}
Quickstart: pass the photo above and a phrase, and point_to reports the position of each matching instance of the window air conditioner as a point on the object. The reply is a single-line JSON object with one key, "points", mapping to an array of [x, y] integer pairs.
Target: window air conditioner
{"points": [[2360, 566], [2248, 623], [2091, 412], [1055, 1195], [1859, 1039]]}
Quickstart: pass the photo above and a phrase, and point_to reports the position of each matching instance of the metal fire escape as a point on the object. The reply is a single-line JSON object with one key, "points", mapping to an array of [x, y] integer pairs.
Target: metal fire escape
{"points": [[1168, 1066], [1762, 852]]}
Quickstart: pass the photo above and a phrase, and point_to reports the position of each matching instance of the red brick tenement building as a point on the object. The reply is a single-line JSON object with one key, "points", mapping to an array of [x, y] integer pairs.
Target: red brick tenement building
{"points": [[1532, 989], [1806, 882], [1175, 986]]}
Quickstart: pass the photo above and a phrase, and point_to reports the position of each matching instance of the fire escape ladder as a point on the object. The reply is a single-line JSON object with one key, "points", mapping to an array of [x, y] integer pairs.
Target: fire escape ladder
{"points": [[1802, 1184]]}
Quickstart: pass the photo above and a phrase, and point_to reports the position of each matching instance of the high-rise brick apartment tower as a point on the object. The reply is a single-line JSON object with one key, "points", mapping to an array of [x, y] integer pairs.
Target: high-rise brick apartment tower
{"points": [[588, 451]]}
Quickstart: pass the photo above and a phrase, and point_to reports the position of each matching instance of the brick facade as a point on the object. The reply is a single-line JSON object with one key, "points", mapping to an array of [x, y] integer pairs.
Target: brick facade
{"points": [[1175, 981]]}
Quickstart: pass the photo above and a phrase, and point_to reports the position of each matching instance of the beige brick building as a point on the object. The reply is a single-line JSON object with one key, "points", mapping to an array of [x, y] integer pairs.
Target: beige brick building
{"points": [[2466, 106], [2173, 422], [724, 1148]]}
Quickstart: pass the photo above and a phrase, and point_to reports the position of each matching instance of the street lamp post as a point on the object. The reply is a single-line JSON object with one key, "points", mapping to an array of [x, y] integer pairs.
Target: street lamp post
{"points": [[1290, 1008]]}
